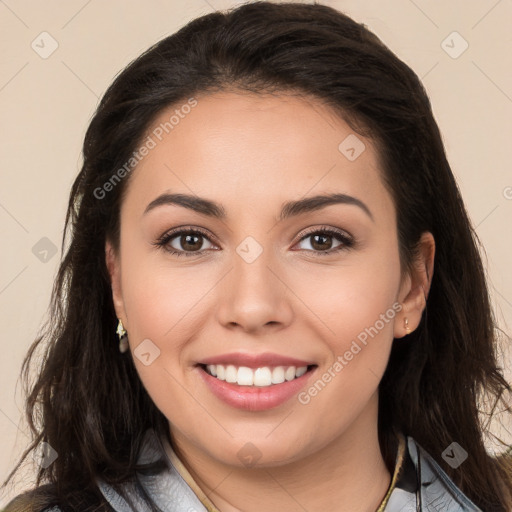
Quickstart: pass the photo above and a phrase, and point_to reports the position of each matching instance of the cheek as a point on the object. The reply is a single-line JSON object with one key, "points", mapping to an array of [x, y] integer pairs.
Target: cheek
{"points": [[161, 296], [352, 296], [355, 308]]}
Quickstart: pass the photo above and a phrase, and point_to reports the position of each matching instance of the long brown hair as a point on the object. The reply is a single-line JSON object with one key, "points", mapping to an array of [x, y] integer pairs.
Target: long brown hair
{"points": [[88, 402]]}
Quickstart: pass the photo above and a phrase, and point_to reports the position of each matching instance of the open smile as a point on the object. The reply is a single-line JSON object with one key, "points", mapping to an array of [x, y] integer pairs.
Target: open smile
{"points": [[253, 387]]}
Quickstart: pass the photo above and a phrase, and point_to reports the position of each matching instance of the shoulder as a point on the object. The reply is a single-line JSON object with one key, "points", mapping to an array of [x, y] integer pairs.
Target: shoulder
{"points": [[30, 501], [44, 499], [436, 485]]}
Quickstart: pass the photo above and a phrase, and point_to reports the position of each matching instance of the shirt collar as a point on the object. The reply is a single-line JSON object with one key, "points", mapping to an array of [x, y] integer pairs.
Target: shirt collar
{"points": [[210, 507], [418, 483]]}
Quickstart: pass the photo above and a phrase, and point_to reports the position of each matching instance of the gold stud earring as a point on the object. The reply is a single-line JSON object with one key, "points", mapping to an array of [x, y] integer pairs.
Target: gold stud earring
{"points": [[407, 328], [123, 338]]}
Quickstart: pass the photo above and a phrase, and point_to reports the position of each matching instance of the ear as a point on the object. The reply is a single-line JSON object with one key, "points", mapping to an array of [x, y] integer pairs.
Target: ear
{"points": [[416, 286], [114, 269]]}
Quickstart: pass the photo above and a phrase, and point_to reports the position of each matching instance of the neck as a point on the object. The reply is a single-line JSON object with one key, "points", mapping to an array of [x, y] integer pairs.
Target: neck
{"points": [[349, 471]]}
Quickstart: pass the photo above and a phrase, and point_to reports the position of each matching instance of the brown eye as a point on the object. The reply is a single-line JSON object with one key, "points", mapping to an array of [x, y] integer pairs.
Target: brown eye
{"points": [[188, 242], [322, 241]]}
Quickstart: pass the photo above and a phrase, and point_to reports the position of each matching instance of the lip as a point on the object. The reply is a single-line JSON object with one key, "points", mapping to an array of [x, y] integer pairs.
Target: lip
{"points": [[253, 398], [255, 360]]}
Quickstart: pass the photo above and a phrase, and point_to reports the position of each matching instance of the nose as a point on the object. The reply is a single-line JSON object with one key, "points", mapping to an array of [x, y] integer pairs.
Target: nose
{"points": [[254, 295]]}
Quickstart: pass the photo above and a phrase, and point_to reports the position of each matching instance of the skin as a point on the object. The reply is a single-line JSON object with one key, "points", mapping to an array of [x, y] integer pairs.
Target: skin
{"points": [[251, 154]]}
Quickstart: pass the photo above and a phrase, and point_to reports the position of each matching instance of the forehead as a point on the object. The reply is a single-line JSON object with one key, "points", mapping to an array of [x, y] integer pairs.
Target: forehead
{"points": [[242, 145]]}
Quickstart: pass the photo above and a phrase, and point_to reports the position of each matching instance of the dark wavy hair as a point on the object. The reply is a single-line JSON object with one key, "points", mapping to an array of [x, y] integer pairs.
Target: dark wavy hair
{"points": [[87, 400]]}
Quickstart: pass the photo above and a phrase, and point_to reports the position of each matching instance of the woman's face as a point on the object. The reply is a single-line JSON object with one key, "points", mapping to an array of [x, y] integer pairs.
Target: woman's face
{"points": [[275, 280]]}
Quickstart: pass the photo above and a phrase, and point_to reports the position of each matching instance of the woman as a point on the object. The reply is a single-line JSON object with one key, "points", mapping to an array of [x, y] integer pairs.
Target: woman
{"points": [[273, 297]]}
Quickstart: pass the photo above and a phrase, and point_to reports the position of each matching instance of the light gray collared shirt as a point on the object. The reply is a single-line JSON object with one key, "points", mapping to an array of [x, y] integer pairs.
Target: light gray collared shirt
{"points": [[420, 485]]}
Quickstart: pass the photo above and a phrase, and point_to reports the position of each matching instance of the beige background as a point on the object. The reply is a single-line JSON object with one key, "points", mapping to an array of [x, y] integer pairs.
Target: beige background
{"points": [[46, 105]]}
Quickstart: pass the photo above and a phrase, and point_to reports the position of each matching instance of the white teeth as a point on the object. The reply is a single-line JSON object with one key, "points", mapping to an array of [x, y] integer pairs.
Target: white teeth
{"points": [[278, 375], [299, 372], [261, 377], [231, 374], [289, 374], [221, 372], [245, 376]]}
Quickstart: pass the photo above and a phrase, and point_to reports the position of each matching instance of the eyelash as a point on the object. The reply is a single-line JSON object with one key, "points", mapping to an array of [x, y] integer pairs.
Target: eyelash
{"points": [[347, 242]]}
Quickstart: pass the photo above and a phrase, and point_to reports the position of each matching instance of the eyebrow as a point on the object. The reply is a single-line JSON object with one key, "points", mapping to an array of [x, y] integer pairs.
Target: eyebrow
{"points": [[289, 209]]}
